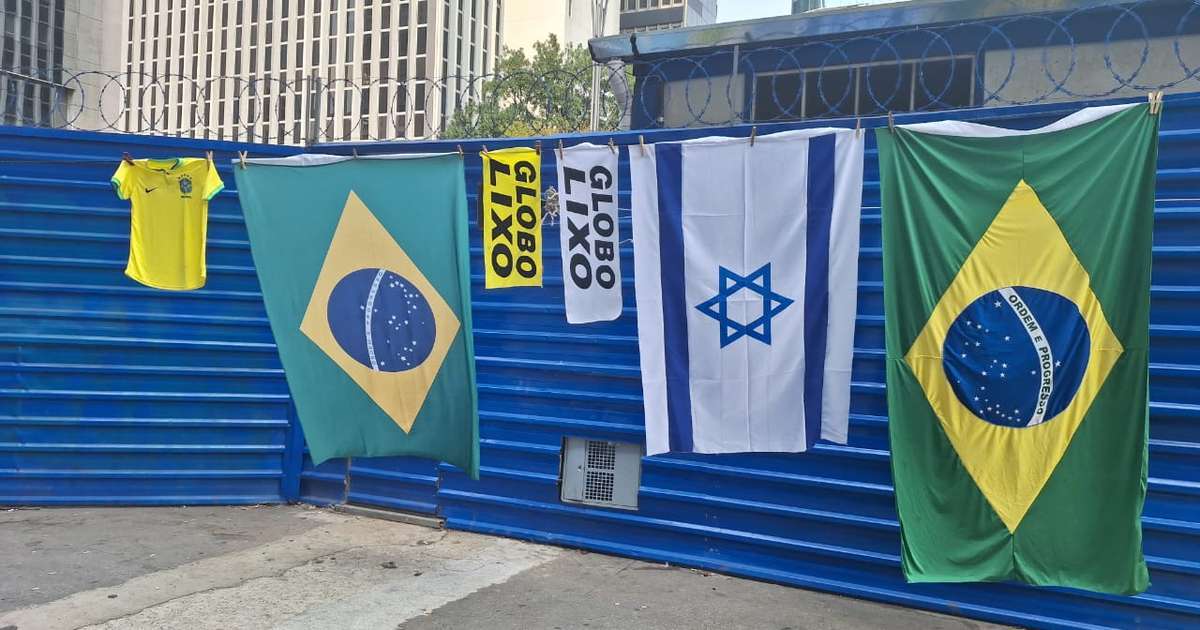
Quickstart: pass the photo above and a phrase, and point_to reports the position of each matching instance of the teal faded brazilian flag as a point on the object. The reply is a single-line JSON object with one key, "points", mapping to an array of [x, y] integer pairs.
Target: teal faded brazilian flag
{"points": [[365, 273], [1017, 299]]}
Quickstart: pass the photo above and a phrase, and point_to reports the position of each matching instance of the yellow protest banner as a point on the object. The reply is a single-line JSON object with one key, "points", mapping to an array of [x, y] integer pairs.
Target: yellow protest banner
{"points": [[512, 218]]}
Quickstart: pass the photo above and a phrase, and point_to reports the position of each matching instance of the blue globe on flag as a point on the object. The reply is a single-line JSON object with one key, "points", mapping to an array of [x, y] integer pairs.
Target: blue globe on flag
{"points": [[1016, 355], [381, 320]]}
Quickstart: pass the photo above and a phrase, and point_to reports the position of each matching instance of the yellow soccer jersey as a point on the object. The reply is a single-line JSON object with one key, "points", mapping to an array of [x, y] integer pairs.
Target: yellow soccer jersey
{"points": [[169, 220]]}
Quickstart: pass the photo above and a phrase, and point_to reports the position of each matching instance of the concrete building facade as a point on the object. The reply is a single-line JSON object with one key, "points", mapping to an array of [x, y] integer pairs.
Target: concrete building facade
{"points": [[657, 15], [297, 71], [803, 6], [51, 56]]}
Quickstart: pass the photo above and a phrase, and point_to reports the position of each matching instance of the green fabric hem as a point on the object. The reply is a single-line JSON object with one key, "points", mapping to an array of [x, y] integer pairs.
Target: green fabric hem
{"points": [[117, 189], [214, 193]]}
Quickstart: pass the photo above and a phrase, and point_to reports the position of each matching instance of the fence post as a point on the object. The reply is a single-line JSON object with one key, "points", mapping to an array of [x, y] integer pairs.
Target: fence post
{"points": [[314, 109], [595, 111], [735, 77]]}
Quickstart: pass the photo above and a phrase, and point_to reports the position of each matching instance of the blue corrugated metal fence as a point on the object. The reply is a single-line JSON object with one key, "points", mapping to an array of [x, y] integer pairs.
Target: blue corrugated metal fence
{"points": [[114, 393], [825, 519], [111, 392]]}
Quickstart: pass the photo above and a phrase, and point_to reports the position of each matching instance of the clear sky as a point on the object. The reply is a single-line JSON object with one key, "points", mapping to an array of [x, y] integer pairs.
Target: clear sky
{"points": [[733, 10]]}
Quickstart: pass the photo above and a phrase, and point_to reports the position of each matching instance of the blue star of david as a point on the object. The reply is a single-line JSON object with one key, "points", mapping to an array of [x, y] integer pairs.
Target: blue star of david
{"points": [[730, 283]]}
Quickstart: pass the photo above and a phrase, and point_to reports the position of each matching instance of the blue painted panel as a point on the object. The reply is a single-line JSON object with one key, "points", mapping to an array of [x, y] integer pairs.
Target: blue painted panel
{"points": [[826, 519], [111, 392], [407, 484]]}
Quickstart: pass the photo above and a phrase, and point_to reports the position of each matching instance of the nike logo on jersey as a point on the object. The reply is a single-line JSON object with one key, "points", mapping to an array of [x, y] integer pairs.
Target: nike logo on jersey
{"points": [[150, 190]]}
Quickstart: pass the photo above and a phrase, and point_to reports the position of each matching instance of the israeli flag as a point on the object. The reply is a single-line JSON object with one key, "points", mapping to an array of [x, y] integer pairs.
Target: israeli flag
{"points": [[746, 272]]}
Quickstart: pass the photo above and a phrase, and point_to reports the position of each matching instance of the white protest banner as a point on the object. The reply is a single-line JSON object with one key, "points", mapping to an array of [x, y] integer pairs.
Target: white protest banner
{"points": [[588, 232]]}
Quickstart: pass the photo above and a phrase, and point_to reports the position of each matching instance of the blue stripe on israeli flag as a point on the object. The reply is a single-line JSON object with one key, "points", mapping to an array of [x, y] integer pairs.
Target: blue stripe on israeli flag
{"points": [[746, 265], [816, 287], [674, 303]]}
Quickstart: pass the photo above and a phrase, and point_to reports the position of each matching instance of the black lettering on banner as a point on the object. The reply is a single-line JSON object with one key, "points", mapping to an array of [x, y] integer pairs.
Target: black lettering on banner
{"points": [[604, 224], [526, 242], [525, 191], [501, 226], [606, 277], [502, 262], [525, 173], [579, 236], [581, 271], [575, 207], [571, 175], [589, 237], [497, 167], [605, 250], [601, 178], [526, 217], [526, 267], [501, 199], [512, 214]]}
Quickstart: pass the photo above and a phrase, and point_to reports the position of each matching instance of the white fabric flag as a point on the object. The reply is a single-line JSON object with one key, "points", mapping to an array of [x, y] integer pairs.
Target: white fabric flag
{"points": [[746, 277], [588, 233]]}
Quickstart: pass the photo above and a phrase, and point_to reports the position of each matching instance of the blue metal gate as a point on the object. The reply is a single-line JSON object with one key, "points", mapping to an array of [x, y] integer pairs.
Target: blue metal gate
{"points": [[826, 519], [114, 393]]}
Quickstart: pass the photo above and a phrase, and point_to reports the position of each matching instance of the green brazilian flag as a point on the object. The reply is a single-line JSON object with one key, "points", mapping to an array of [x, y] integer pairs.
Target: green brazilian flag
{"points": [[365, 273], [1017, 299]]}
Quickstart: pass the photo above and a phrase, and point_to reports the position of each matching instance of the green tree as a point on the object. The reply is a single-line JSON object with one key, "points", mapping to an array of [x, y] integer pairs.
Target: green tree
{"points": [[550, 93]]}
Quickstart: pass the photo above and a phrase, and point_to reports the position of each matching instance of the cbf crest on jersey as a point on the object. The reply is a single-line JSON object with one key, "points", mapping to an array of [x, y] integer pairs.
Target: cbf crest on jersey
{"points": [[1016, 280], [367, 291], [746, 268]]}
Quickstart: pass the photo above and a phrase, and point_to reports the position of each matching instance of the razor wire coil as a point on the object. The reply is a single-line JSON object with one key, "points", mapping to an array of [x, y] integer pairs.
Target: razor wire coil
{"points": [[1093, 52]]}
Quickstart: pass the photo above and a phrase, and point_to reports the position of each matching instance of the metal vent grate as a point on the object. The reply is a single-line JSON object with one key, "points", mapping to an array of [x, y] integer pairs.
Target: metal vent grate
{"points": [[599, 472], [601, 455], [598, 486]]}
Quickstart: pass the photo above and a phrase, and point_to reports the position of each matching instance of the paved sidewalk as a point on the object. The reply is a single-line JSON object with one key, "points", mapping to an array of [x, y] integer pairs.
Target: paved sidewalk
{"points": [[301, 568]]}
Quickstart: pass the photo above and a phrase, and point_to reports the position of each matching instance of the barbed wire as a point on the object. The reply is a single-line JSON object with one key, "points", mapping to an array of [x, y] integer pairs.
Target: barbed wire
{"points": [[1089, 53]]}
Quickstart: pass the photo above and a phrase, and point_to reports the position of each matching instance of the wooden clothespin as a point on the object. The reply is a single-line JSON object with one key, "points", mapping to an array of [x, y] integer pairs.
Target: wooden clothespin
{"points": [[561, 150], [642, 142], [1155, 99], [242, 158], [891, 123], [538, 147], [461, 155], [612, 146], [354, 151], [208, 155], [485, 149], [858, 128], [125, 157], [753, 133]]}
